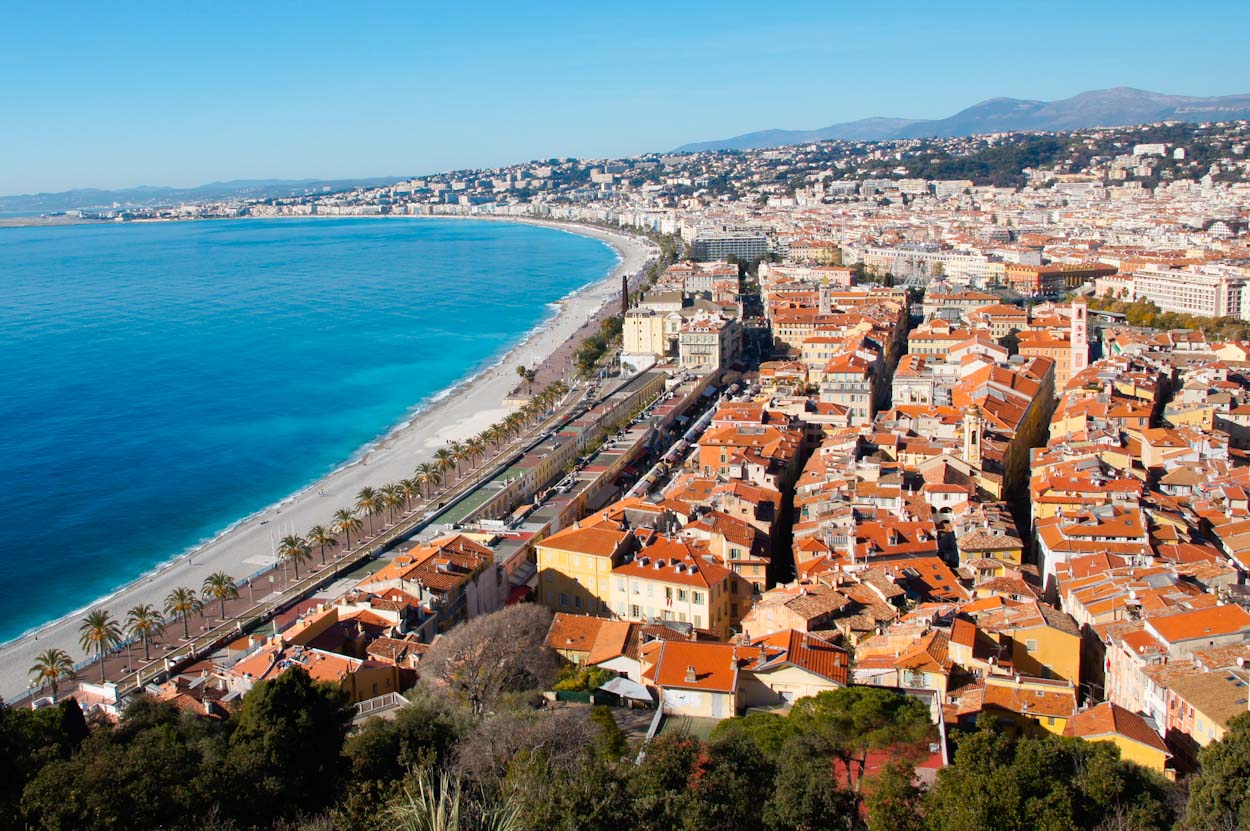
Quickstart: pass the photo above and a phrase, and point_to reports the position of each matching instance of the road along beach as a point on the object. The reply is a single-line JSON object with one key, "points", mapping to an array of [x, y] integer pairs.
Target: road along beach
{"points": [[457, 413]]}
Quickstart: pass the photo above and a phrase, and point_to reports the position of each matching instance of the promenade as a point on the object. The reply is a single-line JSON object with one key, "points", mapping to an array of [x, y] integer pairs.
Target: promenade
{"points": [[248, 548]]}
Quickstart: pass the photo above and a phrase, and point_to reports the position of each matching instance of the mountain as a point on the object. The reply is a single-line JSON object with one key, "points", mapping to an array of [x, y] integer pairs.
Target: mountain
{"points": [[147, 196], [1115, 107]]}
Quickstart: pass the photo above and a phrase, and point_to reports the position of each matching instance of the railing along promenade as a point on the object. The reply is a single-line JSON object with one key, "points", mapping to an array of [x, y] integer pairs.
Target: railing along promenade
{"points": [[265, 608]]}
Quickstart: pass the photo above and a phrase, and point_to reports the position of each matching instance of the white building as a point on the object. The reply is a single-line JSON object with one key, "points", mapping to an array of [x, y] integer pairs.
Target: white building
{"points": [[1209, 290]]}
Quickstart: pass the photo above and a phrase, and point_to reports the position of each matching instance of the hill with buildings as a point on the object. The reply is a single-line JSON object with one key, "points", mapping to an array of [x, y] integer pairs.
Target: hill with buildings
{"points": [[1115, 107]]}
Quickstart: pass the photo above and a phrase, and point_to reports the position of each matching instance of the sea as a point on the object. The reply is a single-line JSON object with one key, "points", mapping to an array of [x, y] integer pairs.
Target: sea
{"points": [[161, 381]]}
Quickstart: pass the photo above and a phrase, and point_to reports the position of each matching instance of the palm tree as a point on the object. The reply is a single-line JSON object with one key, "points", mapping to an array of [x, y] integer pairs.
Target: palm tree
{"points": [[428, 473], [322, 536], [392, 498], [444, 459], [346, 521], [457, 455], [294, 548], [50, 667], [493, 435], [220, 587], [368, 502], [99, 633], [523, 373], [475, 447], [182, 603], [142, 622], [411, 489]]}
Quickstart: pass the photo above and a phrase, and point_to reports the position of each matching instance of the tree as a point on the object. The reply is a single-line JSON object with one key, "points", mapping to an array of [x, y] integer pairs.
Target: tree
{"points": [[182, 603], [321, 536], [392, 497], [612, 743], [116, 781], [474, 447], [427, 472], [444, 459], [894, 800], [369, 503], [456, 449], [524, 374], [51, 667], [422, 734], [411, 489], [285, 753], [345, 522], [725, 786], [30, 740], [1051, 782], [293, 549], [221, 587], [805, 794], [659, 786], [144, 621], [492, 655], [857, 720], [99, 633], [768, 731], [1219, 795]]}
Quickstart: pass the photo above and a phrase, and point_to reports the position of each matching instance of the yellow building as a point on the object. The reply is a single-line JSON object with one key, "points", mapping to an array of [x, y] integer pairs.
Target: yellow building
{"points": [[1126, 730], [643, 333], [575, 566], [667, 580], [1030, 706]]}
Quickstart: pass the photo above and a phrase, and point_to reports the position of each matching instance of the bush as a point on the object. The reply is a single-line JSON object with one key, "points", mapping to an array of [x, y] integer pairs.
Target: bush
{"points": [[573, 678]]}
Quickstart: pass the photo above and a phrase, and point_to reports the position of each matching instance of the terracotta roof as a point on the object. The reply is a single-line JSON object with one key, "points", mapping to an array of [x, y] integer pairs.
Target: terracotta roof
{"points": [[575, 633], [1201, 623], [1109, 719], [807, 652]]}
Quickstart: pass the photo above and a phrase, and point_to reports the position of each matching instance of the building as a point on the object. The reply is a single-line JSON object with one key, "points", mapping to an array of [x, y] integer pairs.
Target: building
{"points": [[1196, 290], [710, 342], [721, 245], [1137, 740]]}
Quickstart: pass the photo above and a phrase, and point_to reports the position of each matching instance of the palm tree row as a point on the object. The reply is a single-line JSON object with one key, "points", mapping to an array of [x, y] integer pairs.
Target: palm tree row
{"points": [[100, 633]]}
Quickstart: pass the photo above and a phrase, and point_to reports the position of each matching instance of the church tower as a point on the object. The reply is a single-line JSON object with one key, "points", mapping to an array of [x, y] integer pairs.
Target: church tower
{"points": [[1079, 338], [972, 435]]}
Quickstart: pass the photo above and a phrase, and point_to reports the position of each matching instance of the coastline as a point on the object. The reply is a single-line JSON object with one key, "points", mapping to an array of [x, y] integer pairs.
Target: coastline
{"points": [[463, 409]]}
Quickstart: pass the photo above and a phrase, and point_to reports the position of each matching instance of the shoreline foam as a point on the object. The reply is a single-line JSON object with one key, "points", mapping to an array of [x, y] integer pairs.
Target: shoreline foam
{"points": [[480, 393]]}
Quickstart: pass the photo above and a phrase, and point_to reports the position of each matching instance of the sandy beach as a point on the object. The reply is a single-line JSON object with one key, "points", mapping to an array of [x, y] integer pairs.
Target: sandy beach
{"points": [[464, 411]]}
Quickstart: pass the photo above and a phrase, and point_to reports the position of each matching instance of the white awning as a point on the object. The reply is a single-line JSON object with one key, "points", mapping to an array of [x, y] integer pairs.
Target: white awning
{"points": [[626, 688]]}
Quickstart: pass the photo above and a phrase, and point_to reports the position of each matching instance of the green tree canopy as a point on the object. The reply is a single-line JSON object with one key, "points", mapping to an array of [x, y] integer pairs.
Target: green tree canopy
{"points": [[1219, 795]]}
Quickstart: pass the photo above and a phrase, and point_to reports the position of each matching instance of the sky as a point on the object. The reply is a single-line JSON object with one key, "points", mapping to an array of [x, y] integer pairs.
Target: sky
{"points": [[114, 95]]}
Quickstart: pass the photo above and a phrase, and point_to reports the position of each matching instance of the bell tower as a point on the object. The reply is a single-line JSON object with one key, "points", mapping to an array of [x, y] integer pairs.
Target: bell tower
{"points": [[972, 435], [1079, 338]]}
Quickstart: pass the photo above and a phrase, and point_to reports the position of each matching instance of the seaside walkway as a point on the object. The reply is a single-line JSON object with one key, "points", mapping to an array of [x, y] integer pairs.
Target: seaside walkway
{"points": [[267, 594]]}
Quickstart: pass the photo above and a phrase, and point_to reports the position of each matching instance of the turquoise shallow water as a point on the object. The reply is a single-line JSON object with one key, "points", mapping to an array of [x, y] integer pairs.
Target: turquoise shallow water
{"points": [[159, 382]]}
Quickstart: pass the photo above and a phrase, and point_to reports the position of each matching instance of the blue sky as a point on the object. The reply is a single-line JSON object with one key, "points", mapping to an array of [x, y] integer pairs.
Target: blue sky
{"points": [[123, 94]]}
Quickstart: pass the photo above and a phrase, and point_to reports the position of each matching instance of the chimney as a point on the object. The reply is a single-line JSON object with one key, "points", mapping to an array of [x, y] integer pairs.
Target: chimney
{"points": [[690, 676]]}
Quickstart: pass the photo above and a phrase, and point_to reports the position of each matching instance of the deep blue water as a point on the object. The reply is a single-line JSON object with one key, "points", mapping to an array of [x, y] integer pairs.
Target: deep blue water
{"points": [[159, 382]]}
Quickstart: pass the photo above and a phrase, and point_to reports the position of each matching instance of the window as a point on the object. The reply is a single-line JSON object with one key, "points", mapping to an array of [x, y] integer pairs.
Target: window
{"points": [[635, 612], [681, 595], [697, 597], [577, 601], [1030, 645], [620, 585], [564, 599], [698, 621]]}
